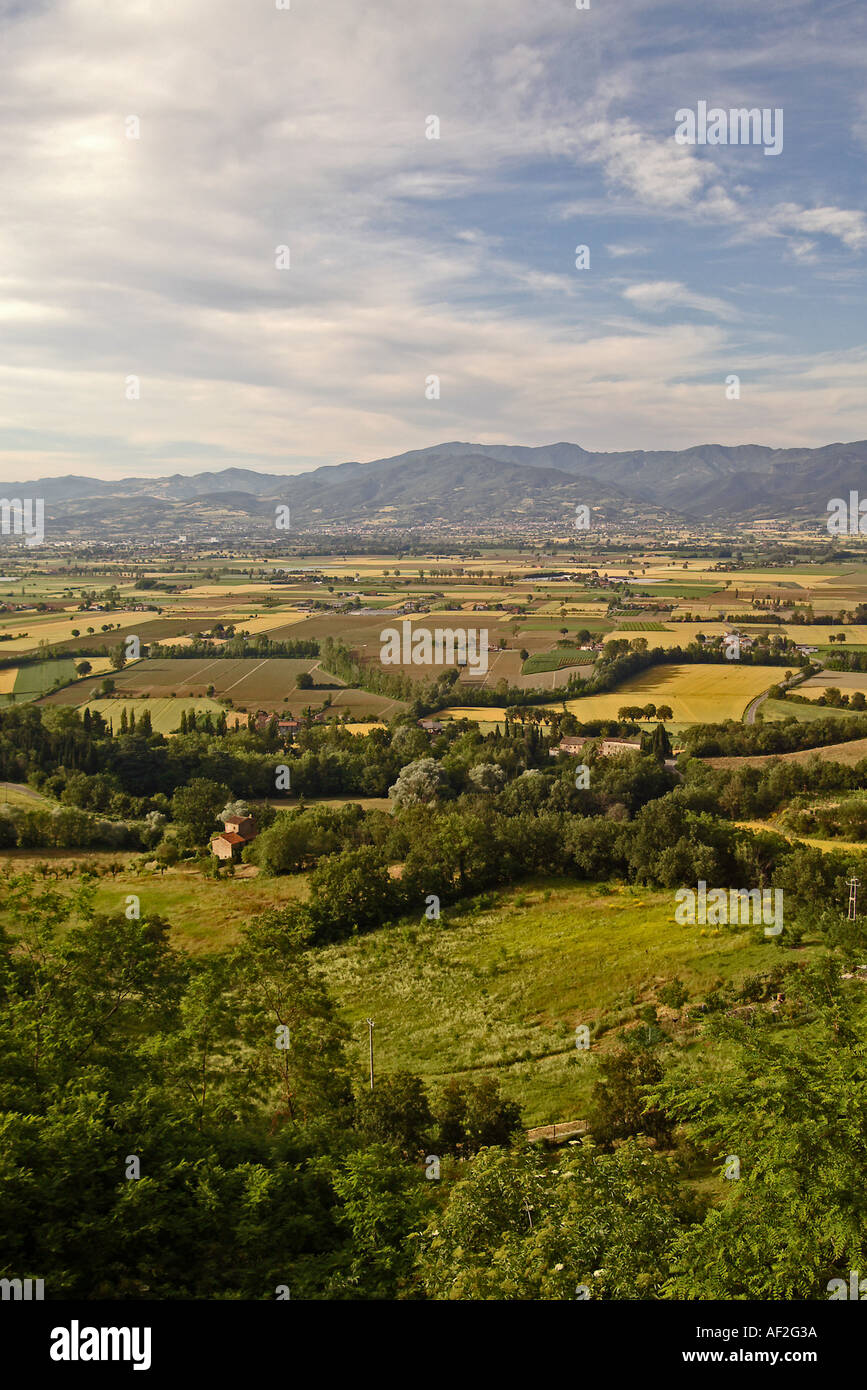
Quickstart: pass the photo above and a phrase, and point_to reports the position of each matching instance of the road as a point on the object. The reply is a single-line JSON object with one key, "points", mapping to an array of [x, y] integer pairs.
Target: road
{"points": [[752, 707]]}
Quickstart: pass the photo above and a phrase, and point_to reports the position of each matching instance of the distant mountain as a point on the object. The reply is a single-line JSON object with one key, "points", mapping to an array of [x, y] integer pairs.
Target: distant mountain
{"points": [[481, 489]]}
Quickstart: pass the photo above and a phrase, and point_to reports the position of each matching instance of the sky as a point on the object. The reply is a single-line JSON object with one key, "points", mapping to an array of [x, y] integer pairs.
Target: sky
{"points": [[156, 153]]}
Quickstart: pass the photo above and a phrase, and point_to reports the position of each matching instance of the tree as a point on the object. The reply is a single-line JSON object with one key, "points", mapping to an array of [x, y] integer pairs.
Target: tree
{"points": [[474, 1116], [118, 657], [518, 1228], [793, 1110], [83, 668], [383, 1202], [396, 1112], [620, 1107], [660, 744], [486, 777], [351, 892], [278, 990], [195, 808], [420, 782]]}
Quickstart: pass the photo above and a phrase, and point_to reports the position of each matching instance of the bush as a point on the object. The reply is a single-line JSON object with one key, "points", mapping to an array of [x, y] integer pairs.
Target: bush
{"points": [[673, 994]]}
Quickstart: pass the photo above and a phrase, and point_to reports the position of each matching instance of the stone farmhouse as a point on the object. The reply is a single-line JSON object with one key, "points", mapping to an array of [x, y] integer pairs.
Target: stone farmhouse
{"points": [[238, 832]]}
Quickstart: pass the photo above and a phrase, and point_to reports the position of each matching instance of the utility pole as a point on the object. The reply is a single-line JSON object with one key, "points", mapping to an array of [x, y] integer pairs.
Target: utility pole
{"points": [[370, 1027], [853, 897]]}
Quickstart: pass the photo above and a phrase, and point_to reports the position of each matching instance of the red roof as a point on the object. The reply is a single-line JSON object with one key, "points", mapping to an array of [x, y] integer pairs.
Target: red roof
{"points": [[230, 838]]}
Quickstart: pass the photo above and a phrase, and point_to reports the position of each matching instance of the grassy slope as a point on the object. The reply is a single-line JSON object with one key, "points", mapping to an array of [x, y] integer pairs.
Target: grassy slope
{"points": [[17, 794], [205, 913], [497, 989], [773, 710], [504, 989], [827, 845], [850, 752]]}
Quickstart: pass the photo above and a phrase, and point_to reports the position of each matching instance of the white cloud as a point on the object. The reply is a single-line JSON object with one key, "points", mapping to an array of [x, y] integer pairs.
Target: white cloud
{"points": [[849, 227], [409, 256], [669, 294]]}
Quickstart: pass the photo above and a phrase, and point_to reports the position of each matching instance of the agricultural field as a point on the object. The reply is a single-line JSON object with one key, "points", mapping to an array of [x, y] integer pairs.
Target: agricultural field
{"points": [[845, 681], [774, 710], [696, 695], [265, 596], [557, 660], [827, 846], [243, 679], [850, 752], [674, 634], [165, 714], [18, 685], [250, 684], [17, 794]]}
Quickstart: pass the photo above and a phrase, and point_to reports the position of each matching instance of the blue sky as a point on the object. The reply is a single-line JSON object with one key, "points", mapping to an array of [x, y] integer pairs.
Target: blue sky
{"points": [[154, 257]]}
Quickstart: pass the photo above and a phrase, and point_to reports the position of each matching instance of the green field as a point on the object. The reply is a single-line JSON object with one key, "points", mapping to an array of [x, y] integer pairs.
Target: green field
{"points": [[642, 627], [502, 990], [556, 661], [165, 714], [576, 621], [204, 913], [36, 679], [805, 714]]}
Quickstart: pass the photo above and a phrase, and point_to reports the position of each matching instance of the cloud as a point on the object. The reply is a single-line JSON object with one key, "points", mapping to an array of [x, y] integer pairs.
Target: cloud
{"points": [[670, 294], [409, 256], [617, 250], [849, 227]]}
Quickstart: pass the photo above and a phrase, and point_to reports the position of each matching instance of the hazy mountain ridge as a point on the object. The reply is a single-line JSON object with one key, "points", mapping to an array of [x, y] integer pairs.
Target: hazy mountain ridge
{"points": [[482, 486]]}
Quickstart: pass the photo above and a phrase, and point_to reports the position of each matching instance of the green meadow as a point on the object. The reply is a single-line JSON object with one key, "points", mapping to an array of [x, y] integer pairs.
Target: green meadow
{"points": [[501, 988]]}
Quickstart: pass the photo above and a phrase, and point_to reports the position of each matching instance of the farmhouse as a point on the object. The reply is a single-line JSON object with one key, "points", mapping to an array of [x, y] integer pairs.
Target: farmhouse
{"points": [[611, 746], [239, 831], [572, 745], [242, 825], [225, 846]]}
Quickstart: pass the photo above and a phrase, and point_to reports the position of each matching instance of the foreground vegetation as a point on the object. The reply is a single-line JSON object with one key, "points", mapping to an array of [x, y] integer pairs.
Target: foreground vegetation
{"points": [[185, 1102]]}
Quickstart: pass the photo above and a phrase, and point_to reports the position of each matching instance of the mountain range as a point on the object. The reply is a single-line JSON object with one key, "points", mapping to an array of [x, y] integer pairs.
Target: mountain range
{"points": [[477, 489]]}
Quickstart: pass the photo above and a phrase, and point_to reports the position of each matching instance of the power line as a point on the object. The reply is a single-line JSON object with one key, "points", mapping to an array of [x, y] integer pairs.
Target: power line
{"points": [[370, 1027], [853, 897]]}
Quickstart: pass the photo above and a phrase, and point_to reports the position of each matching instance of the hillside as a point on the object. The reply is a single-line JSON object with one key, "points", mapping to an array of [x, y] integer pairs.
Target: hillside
{"points": [[479, 488]]}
